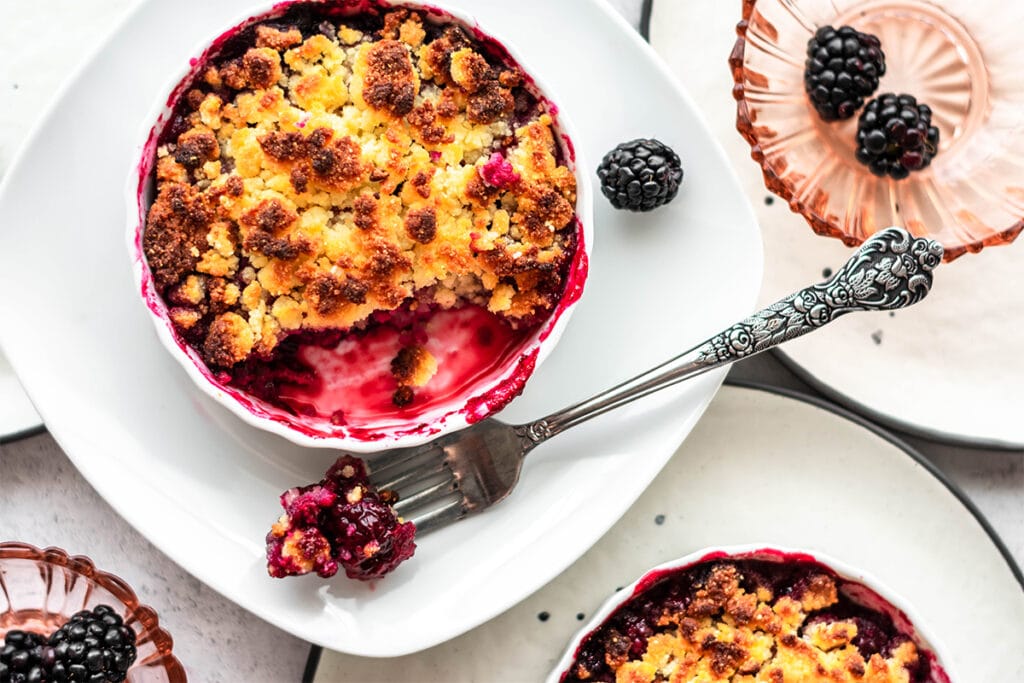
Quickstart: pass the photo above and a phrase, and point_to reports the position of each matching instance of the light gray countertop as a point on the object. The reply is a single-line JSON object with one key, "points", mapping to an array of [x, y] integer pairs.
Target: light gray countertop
{"points": [[45, 501]]}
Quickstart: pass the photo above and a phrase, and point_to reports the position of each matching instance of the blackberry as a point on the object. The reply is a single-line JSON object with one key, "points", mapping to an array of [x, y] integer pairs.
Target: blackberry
{"points": [[23, 658], [94, 646], [842, 68], [895, 136], [640, 175]]}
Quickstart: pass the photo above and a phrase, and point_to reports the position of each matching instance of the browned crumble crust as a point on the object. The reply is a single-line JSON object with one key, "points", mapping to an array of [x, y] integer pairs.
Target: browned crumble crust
{"points": [[321, 178], [725, 633]]}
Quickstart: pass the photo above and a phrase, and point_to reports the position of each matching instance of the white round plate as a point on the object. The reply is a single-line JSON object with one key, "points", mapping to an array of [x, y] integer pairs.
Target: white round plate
{"points": [[203, 486], [17, 416], [768, 470], [947, 369]]}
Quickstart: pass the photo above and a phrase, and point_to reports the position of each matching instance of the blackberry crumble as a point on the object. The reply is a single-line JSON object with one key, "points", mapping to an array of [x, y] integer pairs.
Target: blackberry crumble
{"points": [[324, 173], [747, 620]]}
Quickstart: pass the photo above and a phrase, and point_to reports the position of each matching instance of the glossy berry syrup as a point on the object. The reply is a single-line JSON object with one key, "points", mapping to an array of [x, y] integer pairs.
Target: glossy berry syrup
{"points": [[345, 377]]}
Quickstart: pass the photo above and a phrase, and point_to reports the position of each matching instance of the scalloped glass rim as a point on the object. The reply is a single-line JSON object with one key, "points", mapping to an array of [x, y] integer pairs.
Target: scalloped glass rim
{"points": [[156, 661], [971, 233]]}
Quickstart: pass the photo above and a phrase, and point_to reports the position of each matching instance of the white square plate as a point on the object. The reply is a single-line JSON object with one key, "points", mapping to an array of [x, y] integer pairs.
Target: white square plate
{"points": [[203, 486]]}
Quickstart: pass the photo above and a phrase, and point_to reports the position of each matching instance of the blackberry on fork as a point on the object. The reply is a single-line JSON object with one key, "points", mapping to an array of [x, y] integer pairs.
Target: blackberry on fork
{"points": [[842, 68]]}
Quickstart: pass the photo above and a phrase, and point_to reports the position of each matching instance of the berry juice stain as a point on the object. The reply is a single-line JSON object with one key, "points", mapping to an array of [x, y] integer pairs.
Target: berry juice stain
{"points": [[355, 381]]}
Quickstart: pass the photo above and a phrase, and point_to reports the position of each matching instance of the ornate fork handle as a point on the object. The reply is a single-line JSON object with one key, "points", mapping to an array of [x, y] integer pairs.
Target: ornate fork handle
{"points": [[891, 270]]}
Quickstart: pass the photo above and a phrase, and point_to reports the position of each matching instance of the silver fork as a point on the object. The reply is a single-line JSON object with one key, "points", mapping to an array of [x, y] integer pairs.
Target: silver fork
{"points": [[468, 471]]}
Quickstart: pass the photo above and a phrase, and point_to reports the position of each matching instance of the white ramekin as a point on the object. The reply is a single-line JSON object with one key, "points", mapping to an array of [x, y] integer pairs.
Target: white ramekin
{"points": [[507, 381], [863, 589]]}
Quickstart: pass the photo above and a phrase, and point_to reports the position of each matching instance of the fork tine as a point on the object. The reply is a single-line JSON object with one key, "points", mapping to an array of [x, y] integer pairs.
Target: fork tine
{"points": [[436, 492], [417, 464], [439, 517], [427, 469]]}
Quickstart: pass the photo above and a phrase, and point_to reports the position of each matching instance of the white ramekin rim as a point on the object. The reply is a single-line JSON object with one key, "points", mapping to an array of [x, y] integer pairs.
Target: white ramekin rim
{"points": [[453, 416], [903, 613]]}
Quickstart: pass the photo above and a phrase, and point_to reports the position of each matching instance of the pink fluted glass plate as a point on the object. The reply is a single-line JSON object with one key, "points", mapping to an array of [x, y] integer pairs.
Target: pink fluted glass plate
{"points": [[41, 588], [958, 56]]}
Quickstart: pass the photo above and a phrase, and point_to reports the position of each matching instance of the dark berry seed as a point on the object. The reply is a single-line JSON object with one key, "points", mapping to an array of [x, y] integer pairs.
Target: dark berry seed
{"points": [[15, 639], [94, 660], [875, 141], [895, 129], [913, 161]]}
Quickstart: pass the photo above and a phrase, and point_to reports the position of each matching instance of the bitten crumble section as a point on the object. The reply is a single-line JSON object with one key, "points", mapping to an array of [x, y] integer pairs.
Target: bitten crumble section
{"points": [[329, 171], [341, 522], [737, 622]]}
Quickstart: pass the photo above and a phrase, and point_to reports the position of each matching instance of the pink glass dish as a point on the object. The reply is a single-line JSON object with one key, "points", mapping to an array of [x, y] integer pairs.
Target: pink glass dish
{"points": [[41, 588], [958, 56]]}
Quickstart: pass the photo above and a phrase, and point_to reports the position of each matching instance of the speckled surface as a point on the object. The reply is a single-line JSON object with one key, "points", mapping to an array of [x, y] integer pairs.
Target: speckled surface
{"points": [[46, 502]]}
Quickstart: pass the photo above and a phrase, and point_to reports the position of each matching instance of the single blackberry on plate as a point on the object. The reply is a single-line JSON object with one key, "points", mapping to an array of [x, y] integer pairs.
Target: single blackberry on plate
{"points": [[842, 68], [23, 658], [895, 136], [640, 175], [93, 646]]}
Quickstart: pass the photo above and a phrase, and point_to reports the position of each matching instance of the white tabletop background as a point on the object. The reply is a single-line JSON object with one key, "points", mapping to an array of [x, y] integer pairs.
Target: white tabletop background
{"points": [[45, 501]]}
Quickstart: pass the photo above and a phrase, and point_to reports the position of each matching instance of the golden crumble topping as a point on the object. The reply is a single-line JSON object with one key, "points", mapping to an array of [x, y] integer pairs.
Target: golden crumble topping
{"points": [[322, 172], [730, 625]]}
